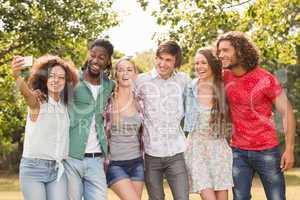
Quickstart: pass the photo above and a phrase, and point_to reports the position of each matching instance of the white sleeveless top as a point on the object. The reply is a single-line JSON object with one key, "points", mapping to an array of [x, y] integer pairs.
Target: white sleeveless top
{"points": [[48, 137]]}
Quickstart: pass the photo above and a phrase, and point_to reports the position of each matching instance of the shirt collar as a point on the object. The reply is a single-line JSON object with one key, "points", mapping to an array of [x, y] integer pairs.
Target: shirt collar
{"points": [[81, 75], [194, 86], [154, 74], [53, 102], [194, 82]]}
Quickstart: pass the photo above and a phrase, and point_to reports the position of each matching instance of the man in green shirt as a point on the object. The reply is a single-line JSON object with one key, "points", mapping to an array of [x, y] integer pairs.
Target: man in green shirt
{"points": [[88, 145]]}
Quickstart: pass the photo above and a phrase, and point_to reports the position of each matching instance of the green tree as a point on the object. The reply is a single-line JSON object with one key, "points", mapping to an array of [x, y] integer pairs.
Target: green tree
{"points": [[144, 60], [36, 27], [273, 24], [118, 54], [59, 26]]}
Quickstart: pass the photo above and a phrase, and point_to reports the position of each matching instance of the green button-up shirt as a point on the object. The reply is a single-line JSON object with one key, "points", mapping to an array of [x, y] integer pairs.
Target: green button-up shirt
{"points": [[81, 110]]}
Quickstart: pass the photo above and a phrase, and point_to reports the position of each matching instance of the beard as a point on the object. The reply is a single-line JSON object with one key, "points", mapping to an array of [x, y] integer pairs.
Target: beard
{"points": [[232, 65], [92, 73]]}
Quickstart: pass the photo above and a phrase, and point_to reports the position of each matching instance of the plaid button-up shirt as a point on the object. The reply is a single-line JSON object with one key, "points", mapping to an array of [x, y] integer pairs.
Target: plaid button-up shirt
{"points": [[108, 121]]}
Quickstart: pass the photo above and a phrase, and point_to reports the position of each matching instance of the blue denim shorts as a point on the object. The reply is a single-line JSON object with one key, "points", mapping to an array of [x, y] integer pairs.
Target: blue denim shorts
{"points": [[131, 169]]}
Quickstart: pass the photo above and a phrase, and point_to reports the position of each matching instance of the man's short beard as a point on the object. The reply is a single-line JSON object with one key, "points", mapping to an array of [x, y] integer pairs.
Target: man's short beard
{"points": [[234, 65], [91, 73]]}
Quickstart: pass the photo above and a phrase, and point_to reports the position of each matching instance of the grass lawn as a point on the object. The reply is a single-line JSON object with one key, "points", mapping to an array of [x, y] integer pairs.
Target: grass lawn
{"points": [[9, 188]]}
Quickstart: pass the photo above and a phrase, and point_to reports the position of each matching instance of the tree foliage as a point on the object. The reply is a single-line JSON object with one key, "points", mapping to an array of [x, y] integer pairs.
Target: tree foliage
{"points": [[36, 27], [144, 60], [272, 24], [59, 26]]}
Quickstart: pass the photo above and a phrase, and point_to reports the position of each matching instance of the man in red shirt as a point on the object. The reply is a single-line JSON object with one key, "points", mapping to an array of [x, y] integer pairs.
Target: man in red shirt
{"points": [[251, 92]]}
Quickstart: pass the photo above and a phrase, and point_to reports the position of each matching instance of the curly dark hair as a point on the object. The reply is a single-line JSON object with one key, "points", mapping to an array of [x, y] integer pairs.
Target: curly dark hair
{"points": [[172, 48], [219, 111], [246, 52], [42, 68]]}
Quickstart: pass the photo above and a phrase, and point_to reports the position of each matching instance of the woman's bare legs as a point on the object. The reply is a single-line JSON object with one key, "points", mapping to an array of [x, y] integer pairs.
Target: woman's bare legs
{"points": [[210, 194], [222, 194], [128, 190]]}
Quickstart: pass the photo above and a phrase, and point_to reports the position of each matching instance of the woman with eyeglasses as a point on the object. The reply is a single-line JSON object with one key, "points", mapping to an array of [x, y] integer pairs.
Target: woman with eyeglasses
{"points": [[46, 141]]}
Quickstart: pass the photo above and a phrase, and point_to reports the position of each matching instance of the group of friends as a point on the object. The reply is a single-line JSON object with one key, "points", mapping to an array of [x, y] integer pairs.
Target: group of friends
{"points": [[86, 131]]}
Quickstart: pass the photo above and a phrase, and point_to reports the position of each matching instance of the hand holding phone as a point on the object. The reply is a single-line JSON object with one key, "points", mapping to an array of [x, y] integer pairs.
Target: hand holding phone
{"points": [[21, 65], [27, 60]]}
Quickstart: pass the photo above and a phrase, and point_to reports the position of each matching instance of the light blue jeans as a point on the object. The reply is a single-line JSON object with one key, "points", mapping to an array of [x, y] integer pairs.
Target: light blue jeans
{"points": [[86, 178], [38, 180]]}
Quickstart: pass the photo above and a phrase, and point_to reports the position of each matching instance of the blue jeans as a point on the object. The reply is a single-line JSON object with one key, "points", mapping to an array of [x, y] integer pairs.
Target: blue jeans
{"points": [[38, 180], [86, 178], [267, 164]]}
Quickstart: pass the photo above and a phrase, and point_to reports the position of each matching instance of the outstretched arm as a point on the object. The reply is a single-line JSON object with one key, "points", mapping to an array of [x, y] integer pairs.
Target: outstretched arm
{"points": [[30, 98]]}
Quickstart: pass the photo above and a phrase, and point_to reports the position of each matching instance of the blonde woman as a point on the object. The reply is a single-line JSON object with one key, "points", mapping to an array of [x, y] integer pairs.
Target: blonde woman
{"points": [[123, 119]]}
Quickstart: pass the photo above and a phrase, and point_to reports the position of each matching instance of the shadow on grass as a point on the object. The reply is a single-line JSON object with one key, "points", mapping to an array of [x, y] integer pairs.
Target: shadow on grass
{"points": [[291, 180], [11, 182], [9, 185]]}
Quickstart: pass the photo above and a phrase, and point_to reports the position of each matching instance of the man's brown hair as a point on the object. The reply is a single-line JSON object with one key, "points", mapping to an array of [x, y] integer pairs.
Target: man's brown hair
{"points": [[171, 47]]}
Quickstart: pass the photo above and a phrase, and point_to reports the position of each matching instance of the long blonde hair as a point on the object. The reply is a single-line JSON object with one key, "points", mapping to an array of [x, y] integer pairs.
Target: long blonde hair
{"points": [[117, 87]]}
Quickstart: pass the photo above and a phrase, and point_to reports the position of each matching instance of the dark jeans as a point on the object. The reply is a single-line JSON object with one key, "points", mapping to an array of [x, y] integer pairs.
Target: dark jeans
{"points": [[174, 169], [267, 164]]}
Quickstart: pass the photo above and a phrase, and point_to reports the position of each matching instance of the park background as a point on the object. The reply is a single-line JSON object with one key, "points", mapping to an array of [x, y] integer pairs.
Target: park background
{"points": [[65, 28]]}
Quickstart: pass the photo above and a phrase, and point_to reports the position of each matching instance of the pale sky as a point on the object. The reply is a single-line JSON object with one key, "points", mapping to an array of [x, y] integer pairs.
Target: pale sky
{"points": [[136, 29]]}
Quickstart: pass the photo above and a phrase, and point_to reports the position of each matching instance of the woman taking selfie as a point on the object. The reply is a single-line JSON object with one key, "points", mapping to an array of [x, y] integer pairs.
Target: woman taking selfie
{"points": [[47, 127]]}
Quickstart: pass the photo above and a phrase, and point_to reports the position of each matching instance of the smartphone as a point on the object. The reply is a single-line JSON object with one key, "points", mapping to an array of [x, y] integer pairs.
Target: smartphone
{"points": [[28, 61]]}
